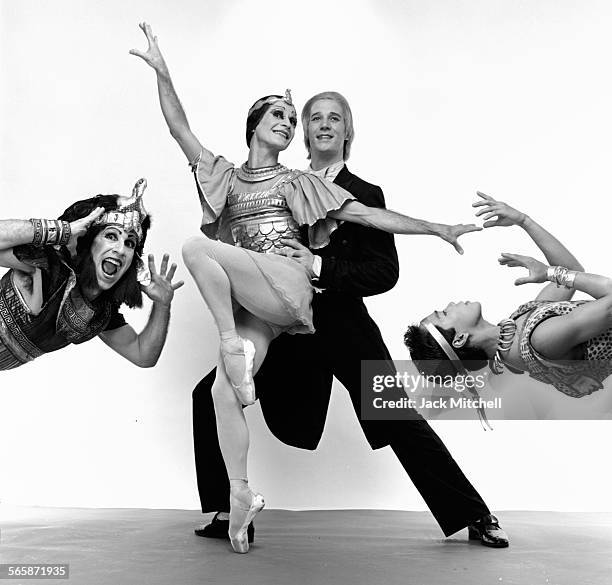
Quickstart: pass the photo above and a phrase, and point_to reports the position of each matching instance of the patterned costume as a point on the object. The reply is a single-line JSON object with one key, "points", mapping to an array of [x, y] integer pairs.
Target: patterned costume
{"points": [[574, 378], [253, 210], [66, 315]]}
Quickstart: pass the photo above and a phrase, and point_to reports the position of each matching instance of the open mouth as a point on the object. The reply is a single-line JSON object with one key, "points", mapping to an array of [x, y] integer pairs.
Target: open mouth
{"points": [[110, 266], [285, 135]]}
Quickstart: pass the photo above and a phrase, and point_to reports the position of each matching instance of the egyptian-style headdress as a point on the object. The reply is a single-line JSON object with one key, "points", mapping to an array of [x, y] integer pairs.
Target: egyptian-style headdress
{"points": [[130, 213], [270, 100], [446, 347]]}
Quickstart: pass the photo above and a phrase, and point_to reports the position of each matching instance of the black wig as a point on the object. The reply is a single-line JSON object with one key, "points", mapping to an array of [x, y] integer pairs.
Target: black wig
{"points": [[127, 290]]}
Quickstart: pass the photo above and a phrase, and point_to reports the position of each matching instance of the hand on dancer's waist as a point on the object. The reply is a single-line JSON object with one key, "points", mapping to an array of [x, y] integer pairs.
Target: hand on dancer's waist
{"points": [[296, 251]]}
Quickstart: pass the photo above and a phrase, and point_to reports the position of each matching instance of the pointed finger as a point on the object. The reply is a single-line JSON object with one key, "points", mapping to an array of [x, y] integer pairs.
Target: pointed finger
{"points": [[164, 265], [151, 262], [484, 196], [178, 284], [491, 223], [470, 227], [486, 209], [95, 214], [137, 53], [520, 281], [491, 214], [171, 272], [292, 244], [149, 32], [457, 246], [480, 203]]}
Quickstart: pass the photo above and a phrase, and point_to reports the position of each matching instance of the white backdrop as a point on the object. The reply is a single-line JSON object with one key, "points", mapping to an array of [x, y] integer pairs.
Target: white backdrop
{"points": [[509, 97]]}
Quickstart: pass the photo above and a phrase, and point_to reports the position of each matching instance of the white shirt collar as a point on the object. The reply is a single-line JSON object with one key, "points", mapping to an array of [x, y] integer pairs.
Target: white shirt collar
{"points": [[329, 173]]}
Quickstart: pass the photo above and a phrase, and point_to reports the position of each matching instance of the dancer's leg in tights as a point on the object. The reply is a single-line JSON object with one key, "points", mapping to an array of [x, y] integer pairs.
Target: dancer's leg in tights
{"points": [[221, 272], [232, 429], [233, 432]]}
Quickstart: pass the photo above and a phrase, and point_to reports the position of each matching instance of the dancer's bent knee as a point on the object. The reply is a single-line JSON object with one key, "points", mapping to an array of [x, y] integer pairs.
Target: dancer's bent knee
{"points": [[194, 248]]}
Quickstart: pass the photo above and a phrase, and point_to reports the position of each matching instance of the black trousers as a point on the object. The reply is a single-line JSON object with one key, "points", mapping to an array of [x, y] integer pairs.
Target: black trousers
{"points": [[449, 495]]}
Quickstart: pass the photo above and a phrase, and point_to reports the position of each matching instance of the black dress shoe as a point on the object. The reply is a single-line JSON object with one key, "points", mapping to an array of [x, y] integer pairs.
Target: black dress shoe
{"points": [[219, 529], [487, 530]]}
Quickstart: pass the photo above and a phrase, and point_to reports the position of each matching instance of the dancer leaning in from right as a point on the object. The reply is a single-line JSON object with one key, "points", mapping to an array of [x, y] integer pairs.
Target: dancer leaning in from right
{"points": [[561, 342], [255, 206]]}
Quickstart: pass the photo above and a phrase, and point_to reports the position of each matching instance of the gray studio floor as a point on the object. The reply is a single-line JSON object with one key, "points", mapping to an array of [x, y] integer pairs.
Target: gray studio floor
{"points": [[125, 546]]}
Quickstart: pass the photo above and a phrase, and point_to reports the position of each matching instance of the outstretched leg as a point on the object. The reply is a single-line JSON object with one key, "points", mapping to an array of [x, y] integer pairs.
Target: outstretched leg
{"points": [[233, 434]]}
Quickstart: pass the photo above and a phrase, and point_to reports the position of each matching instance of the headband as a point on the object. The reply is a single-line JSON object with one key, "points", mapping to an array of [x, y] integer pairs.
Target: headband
{"points": [[446, 347], [270, 100], [130, 213]]}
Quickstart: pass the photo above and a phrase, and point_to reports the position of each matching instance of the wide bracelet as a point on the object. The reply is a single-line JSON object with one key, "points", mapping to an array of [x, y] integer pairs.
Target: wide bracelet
{"points": [[65, 233], [50, 232], [561, 276]]}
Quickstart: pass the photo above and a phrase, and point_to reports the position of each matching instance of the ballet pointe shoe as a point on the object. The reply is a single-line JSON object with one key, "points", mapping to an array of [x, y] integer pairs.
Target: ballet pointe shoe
{"points": [[244, 506], [246, 389]]}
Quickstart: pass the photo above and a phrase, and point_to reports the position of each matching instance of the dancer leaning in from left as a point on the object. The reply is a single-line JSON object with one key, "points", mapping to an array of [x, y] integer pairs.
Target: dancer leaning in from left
{"points": [[69, 276], [256, 206]]}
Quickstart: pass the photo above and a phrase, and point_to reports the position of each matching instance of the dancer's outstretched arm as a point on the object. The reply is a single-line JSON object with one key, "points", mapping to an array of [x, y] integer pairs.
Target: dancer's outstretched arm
{"points": [[555, 252], [143, 349], [555, 337], [170, 104], [16, 232], [397, 223]]}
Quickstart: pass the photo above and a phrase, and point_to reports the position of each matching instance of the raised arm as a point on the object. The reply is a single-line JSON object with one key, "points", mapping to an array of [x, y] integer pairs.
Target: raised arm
{"points": [[397, 223], [170, 104], [555, 252], [555, 337], [16, 232], [143, 349]]}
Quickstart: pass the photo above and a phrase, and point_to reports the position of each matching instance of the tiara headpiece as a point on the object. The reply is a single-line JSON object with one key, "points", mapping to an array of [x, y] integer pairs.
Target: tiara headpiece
{"points": [[131, 211], [271, 99]]}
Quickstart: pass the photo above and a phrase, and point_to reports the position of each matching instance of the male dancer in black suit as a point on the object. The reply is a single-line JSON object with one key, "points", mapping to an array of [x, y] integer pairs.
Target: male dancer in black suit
{"points": [[294, 383]]}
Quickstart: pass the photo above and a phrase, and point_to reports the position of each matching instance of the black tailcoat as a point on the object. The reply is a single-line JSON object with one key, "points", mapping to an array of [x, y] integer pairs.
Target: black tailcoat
{"points": [[294, 383]]}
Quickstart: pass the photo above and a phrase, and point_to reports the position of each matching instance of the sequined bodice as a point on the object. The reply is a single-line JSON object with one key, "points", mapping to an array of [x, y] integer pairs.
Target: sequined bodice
{"points": [[259, 220]]}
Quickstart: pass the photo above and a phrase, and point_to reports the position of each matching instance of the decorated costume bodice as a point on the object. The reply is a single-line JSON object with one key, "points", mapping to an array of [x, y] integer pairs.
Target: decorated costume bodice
{"points": [[259, 220], [575, 378], [256, 208], [65, 317]]}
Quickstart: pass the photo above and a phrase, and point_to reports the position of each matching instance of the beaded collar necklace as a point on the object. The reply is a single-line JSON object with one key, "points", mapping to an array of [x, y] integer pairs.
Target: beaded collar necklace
{"points": [[507, 331], [249, 175]]}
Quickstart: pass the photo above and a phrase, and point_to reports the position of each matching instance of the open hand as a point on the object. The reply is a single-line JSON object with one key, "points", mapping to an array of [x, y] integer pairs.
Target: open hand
{"points": [[152, 56], [451, 233], [161, 289], [537, 269], [506, 215], [296, 251]]}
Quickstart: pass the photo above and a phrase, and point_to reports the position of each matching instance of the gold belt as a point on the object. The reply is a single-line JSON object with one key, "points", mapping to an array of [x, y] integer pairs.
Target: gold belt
{"points": [[264, 234]]}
